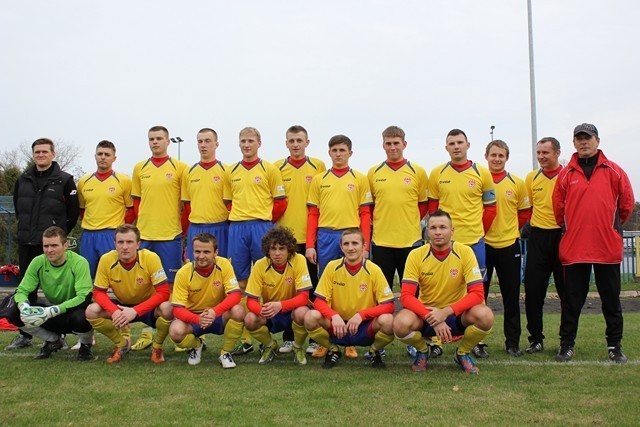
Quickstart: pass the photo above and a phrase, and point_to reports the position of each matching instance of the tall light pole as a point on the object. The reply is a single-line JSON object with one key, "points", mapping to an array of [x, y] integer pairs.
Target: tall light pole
{"points": [[491, 133], [532, 90], [177, 140]]}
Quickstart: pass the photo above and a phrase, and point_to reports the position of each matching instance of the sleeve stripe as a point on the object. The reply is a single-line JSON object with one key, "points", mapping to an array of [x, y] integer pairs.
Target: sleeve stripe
{"points": [[322, 297], [475, 282], [409, 282], [161, 283], [304, 289]]}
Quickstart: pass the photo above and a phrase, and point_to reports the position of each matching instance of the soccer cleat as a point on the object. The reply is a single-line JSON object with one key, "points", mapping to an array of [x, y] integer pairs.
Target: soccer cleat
{"points": [[195, 354], [350, 352], [142, 343], [19, 342], [320, 352], [411, 351], [480, 351], [312, 347], [420, 362], [241, 349], [119, 352], [269, 354], [376, 360], [85, 353], [299, 357], [286, 347], [514, 351], [157, 355], [565, 353], [466, 362], [367, 355], [77, 345], [226, 360], [65, 346], [616, 354], [435, 351], [48, 348], [331, 359], [535, 347]]}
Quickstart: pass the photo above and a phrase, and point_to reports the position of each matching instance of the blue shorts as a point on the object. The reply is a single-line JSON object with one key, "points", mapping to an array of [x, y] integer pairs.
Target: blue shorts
{"points": [[220, 230], [217, 328], [148, 319], [362, 338], [170, 253], [328, 247], [245, 245], [94, 244], [455, 323], [481, 256], [280, 322]]}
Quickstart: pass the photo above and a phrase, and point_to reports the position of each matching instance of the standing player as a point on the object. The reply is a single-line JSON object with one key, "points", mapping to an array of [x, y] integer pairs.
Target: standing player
{"points": [[354, 304], [544, 240], [339, 199], [450, 301], [64, 279], [202, 192], [591, 200], [465, 190], [257, 199], [156, 188], [105, 204], [137, 279], [503, 240], [277, 294], [297, 172], [206, 300]]}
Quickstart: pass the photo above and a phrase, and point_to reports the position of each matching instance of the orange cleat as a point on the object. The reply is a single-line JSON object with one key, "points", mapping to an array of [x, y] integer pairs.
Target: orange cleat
{"points": [[119, 352], [350, 352], [157, 356]]}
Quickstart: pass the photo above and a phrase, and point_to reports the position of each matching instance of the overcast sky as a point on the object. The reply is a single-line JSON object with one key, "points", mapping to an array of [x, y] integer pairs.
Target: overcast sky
{"points": [[83, 71]]}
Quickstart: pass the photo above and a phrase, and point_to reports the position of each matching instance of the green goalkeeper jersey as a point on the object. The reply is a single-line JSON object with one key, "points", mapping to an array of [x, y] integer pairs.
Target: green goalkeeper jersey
{"points": [[66, 286]]}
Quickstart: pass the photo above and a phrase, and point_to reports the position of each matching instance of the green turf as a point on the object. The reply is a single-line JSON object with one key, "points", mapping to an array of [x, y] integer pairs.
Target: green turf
{"points": [[531, 390]]}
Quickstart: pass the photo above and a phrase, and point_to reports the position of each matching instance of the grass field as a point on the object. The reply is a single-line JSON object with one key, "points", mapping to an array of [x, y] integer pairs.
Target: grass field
{"points": [[531, 390]]}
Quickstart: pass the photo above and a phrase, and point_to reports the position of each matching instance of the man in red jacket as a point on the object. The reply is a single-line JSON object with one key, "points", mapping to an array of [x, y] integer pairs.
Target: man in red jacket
{"points": [[591, 200]]}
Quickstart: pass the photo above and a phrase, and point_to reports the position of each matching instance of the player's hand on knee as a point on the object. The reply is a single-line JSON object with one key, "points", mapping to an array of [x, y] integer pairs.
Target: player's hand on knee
{"points": [[354, 323], [270, 309], [443, 331], [339, 327]]}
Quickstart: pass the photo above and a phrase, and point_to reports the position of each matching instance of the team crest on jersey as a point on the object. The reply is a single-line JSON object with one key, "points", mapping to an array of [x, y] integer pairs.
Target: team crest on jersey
{"points": [[217, 283], [308, 178], [363, 287], [472, 183], [351, 187], [509, 193], [169, 175], [407, 180], [140, 281], [112, 190], [257, 179], [289, 280], [216, 178], [453, 272]]}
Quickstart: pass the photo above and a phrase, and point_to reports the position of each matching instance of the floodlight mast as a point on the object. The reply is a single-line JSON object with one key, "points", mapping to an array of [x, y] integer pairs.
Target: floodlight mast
{"points": [[179, 141], [532, 90]]}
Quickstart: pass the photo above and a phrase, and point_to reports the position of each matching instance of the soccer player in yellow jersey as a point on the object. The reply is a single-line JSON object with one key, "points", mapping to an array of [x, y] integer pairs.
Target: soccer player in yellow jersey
{"points": [[206, 300], [450, 299], [503, 240], [399, 190], [466, 191], [354, 304], [257, 199], [297, 172], [156, 192], [544, 240], [277, 294], [139, 284], [202, 194], [105, 203]]}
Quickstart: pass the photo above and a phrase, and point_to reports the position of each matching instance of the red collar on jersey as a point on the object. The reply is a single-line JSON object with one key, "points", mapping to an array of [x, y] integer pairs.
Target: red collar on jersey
{"points": [[103, 175], [340, 172], [551, 174], [249, 165], [353, 269], [461, 167], [397, 165], [297, 163], [205, 271], [497, 177], [208, 165], [158, 161]]}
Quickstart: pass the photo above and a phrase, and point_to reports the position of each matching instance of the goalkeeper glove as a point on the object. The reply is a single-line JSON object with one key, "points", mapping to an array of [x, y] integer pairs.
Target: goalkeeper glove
{"points": [[25, 309], [51, 312]]}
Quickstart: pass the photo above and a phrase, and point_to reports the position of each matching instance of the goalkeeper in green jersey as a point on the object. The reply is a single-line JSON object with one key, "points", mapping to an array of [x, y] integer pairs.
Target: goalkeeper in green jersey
{"points": [[64, 279]]}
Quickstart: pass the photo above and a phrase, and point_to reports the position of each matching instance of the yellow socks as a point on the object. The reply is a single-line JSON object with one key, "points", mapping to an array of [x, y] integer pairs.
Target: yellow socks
{"points": [[232, 332], [190, 341], [381, 340], [321, 336], [261, 334], [299, 334], [472, 336], [106, 328], [415, 339], [162, 330]]}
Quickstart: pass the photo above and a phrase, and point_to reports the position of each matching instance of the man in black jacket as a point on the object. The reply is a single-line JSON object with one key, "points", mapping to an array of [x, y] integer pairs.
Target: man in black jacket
{"points": [[43, 196]]}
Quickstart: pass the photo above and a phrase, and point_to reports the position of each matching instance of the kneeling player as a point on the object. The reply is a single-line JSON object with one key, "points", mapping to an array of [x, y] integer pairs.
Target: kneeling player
{"points": [[352, 289], [141, 291], [451, 296], [281, 279], [206, 300]]}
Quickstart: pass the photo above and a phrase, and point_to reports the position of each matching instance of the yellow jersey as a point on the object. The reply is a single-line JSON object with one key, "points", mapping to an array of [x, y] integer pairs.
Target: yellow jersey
{"points": [[348, 294], [511, 197], [297, 181], [159, 191], [105, 202], [463, 195], [204, 188], [540, 189], [396, 194], [197, 293], [339, 198], [252, 191], [130, 286], [267, 284], [442, 282]]}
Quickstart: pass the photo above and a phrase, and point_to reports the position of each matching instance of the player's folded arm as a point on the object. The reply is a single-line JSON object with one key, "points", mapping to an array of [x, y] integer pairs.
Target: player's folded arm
{"points": [[101, 297], [386, 307], [475, 296], [410, 301], [301, 299], [232, 298], [253, 304], [162, 294], [184, 314], [321, 305]]}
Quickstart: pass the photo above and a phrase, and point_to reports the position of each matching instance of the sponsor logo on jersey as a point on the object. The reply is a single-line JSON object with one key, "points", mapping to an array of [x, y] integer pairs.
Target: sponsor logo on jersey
{"points": [[306, 278], [233, 282], [335, 282], [387, 290], [476, 271], [280, 189], [454, 272], [160, 274]]}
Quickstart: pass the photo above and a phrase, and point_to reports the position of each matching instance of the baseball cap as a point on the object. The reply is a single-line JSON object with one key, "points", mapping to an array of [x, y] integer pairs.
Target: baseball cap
{"points": [[587, 128]]}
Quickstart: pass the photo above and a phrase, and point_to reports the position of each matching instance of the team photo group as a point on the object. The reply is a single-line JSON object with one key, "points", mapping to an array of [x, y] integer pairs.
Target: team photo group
{"points": [[293, 247]]}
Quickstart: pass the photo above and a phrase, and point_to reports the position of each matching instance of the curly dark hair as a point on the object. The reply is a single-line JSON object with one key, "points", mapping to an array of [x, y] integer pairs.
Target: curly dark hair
{"points": [[279, 236]]}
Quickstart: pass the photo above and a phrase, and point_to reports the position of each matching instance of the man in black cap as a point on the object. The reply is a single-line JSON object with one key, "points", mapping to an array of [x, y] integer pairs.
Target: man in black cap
{"points": [[591, 200]]}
